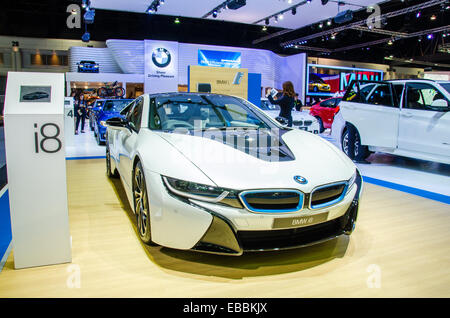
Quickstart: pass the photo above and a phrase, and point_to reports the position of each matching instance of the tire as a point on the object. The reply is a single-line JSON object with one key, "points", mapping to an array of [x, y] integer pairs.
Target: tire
{"points": [[361, 152], [119, 91], [321, 128], [102, 92], [141, 205], [109, 173]]}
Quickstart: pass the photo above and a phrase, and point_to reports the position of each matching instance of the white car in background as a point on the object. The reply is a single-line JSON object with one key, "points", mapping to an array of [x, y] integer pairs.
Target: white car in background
{"points": [[300, 119], [408, 118], [214, 173]]}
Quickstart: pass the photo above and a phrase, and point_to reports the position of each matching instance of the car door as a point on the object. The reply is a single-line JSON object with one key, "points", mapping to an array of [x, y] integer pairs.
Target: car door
{"points": [[373, 109], [423, 127], [128, 139]]}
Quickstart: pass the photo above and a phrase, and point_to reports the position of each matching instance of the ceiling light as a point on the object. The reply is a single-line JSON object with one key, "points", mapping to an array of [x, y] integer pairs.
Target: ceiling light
{"points": [[214, 14], [433, 17], [264, 28], [321, 25], [294, 11], [177, 21], [329, 22], [430, 36], [281, 16], [390, 42]]}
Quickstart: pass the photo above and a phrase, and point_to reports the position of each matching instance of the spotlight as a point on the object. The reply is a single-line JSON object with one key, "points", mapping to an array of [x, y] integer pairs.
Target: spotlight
{"points": [[321, 25], [390, 42], [89, 16], [433, 17], [324, 2], [264, 28], [281, 16], [214, 14], [267, 21], [177, 21], [276, 19], [308, 1], [418, 14], [161, 2], [329, 22], [294, 11], [430, 36], [86, 37]]}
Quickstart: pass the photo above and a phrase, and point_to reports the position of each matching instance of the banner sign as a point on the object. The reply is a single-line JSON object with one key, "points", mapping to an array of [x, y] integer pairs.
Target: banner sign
{"points": [[324, 80], [218, 80], [161, 66], [219, 59]]}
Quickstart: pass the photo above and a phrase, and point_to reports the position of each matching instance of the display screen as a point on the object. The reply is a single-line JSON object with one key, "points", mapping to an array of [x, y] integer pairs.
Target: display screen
{"points": [[219, 59], [35, 94], [324, 80]]}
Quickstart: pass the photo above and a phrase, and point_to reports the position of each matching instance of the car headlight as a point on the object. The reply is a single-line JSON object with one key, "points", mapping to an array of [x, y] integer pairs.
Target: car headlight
{"points": [[202, 192], [103, 123], [351, 182]]}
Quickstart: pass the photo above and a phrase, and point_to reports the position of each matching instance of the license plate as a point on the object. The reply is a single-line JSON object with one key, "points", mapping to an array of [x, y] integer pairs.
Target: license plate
{"points": [[284, 223]]}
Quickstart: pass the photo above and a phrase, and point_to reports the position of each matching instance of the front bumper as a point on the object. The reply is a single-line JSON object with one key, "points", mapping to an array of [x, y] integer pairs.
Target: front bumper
{"points": [[222, 232]]}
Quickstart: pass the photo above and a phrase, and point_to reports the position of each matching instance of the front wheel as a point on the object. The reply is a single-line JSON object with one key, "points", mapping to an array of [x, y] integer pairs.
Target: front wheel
{"points": [[321, 127], [141, 205], [361, 152]]}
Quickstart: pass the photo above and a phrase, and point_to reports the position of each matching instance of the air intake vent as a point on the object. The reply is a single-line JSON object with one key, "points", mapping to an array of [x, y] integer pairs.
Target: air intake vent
{"points": [[328, 195]]}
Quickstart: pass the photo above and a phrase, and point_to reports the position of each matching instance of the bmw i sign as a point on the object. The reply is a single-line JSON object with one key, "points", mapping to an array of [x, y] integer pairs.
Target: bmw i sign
{"points": [[161, 57], [300, 179]]}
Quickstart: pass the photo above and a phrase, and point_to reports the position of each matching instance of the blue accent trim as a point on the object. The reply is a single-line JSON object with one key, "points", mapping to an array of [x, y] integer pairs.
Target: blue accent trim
{"points": [[333, 202], [254, 89], [5, 227], [298, 208], [89, 157], [399, 187], [189, 78]]}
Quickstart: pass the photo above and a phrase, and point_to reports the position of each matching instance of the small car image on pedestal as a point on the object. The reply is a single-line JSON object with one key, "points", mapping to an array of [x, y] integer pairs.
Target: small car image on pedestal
{"points": [[88, 67]]}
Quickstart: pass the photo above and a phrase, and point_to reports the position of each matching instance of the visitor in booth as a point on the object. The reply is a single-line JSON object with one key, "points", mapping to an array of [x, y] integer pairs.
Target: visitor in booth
{"points": [[80, 112], [286, 101]]}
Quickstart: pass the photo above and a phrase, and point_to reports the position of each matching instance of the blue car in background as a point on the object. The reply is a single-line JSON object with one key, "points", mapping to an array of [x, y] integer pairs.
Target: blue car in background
{"points": [[110, 108]]}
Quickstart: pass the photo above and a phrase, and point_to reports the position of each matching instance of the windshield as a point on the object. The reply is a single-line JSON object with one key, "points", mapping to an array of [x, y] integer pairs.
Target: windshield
{"points": [[266, 105], [115, 105], [446, 86], [204, 112]]}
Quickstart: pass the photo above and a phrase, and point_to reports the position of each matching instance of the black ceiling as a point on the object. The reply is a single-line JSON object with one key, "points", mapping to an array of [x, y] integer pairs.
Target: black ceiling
{"points": [[47, 19]]}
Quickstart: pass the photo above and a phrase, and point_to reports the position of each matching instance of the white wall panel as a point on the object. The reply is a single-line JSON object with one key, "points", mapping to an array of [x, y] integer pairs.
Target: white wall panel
{"points": [[129, 55]]}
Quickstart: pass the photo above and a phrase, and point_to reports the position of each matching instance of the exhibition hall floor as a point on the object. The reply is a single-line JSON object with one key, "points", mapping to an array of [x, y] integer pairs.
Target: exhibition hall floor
{"points": [[400, 248]]}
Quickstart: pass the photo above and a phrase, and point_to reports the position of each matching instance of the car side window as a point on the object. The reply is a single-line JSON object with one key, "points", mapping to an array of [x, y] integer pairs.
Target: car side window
{"points": [[421, 96], [328, 103], [135, 115], [382, 96]]}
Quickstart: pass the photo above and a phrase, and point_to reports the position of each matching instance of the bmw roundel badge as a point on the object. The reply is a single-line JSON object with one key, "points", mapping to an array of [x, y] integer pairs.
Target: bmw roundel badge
{"points": [[161, 57], [300, 179]]}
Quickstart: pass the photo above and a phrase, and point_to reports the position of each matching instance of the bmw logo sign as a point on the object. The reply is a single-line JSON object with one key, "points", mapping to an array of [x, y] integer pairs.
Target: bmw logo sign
{"points": [[300, 179], [161, 57]]}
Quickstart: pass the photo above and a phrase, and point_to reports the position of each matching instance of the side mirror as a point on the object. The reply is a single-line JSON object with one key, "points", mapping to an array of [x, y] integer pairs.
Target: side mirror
{"points": [[439, 104], [116, 122]]}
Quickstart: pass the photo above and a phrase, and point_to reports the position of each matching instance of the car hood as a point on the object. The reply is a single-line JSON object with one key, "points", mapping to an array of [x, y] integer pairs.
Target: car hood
{"points": [[309, 156]]}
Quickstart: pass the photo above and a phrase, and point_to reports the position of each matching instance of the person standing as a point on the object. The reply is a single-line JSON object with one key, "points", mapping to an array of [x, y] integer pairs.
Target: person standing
{"points": [[298, 103], [80, 112], [286, 101]]}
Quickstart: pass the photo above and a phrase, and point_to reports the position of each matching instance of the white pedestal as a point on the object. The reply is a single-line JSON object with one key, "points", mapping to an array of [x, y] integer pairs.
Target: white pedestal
{"points": [[36, 166]]}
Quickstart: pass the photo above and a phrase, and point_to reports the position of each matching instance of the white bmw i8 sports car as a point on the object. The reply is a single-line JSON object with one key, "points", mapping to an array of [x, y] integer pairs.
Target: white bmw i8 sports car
{"points": [[214, 173]]}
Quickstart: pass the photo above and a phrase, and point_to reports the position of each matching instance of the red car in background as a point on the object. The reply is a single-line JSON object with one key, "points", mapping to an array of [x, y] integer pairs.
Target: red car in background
{"points": [[324, 112]]}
